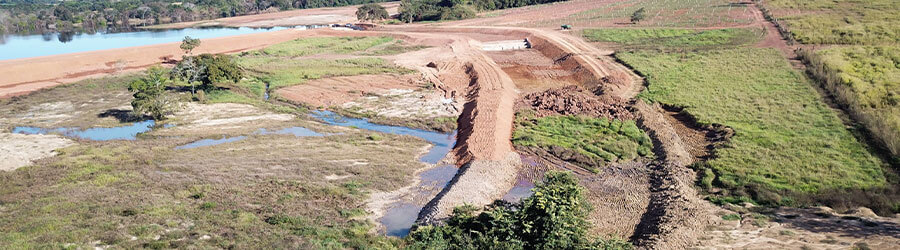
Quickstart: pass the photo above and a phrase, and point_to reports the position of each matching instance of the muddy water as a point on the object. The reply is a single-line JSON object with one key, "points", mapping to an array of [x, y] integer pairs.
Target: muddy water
{"points": [[127, 132]]}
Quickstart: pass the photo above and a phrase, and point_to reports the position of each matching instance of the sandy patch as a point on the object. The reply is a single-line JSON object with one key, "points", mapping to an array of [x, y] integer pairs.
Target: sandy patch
{"points": [[404, 103], [222, 116], [18, 150], [798, 228]]}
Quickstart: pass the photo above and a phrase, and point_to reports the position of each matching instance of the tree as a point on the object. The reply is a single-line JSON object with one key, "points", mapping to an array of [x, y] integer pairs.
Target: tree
{"points": [[150, 94], [187, 69], [189, 44], [637, 16], [371, 12], [208, 70]]}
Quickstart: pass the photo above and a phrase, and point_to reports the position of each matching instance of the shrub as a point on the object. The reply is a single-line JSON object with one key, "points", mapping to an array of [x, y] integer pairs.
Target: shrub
{"points": [[553, 218], [637, 16]]}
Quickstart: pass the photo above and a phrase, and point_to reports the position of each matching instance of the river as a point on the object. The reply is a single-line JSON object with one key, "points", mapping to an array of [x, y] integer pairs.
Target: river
{"points": [[25, 46]]}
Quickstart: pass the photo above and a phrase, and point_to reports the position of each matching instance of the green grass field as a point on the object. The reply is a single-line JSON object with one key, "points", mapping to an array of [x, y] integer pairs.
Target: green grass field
{"points": [[282, 72], [324, 45], [601, 140], [787, 140], [672, 13], [864, 22], [867, 80], [667, 38]]}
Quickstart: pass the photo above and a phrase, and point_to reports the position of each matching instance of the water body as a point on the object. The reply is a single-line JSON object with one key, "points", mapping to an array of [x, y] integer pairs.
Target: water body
{"points": [[127, 132], [443, 142], [210, 142], [24, 46], [399, 217], [295, 131]]}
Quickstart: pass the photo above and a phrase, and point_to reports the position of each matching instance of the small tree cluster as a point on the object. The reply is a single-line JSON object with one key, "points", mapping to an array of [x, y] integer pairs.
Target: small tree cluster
{"points": [[150, 94], [553, 218], [371, 12], [208, 70]]}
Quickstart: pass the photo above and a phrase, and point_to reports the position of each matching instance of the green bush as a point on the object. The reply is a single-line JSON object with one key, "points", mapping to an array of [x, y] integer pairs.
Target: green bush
{"points": [[553, 218], [150, 94]]}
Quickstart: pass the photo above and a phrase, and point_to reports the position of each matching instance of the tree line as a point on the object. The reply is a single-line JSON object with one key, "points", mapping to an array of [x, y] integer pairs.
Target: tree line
{"points": [[436, 10], [44, 16]]}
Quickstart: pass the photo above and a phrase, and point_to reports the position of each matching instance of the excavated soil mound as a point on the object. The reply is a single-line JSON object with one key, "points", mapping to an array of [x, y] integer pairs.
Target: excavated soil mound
{"points": [[574, 100]]}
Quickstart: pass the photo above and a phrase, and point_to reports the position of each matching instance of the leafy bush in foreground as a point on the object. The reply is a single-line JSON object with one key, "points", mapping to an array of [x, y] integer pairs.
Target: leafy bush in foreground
{"points": [[553, 218]]}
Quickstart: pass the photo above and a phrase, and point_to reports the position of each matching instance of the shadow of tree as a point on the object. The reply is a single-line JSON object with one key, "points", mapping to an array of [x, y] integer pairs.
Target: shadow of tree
{"points": [[123, 115]]}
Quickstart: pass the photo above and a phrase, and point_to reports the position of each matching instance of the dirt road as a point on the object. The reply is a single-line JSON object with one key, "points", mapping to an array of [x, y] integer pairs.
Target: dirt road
{"points": [[318, 16]]}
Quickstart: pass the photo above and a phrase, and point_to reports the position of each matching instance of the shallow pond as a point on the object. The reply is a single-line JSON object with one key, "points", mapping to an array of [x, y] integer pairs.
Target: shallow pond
{"points": [[295, 131], [400, 216], [443, 142], [127, 132], [24, 46]]}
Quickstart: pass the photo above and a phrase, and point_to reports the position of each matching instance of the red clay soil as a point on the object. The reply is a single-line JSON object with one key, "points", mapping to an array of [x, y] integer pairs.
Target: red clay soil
{"points": [[574, 100], [339, 90]]}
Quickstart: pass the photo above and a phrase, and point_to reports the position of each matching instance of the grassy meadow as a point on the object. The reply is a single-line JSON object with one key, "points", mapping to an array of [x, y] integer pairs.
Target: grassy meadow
{"points": [[867, 80], [674, 39], [859, 22], [265, 191], [788, 143], [671, 13], [600, 140], [283, 65]]}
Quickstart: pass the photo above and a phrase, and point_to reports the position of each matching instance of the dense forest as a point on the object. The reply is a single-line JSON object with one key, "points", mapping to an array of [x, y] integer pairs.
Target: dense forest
{"points": [[435, 10], [45, 16]]}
